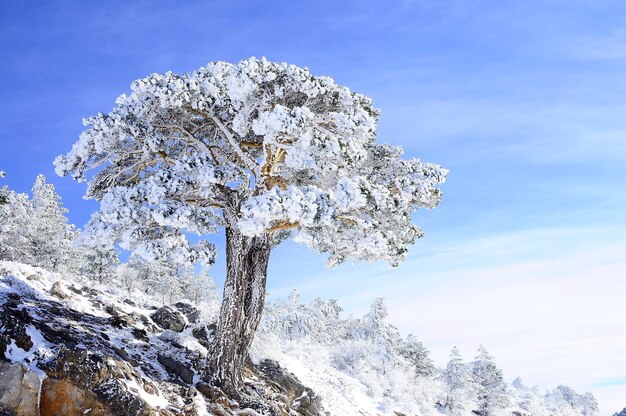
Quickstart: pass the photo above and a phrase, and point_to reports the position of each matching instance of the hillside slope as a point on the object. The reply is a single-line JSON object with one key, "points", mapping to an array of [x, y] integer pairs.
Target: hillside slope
{"points": [[72, 349]]}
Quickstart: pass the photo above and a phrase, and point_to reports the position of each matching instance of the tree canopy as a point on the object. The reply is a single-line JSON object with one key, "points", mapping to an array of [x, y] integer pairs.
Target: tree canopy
{"points": [[282, 150]]}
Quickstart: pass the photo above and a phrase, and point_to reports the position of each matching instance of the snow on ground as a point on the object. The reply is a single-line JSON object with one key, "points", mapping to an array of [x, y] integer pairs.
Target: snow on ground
{"points": [[353, 364]]}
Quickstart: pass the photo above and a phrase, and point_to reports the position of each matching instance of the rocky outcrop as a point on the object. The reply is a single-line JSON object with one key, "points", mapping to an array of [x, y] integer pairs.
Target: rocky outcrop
{"points": [[95, 380], [19, 389], [170, 318], [62, 397], [203, 334], [86, 352], [301, 399], [176, 367], [14, 321], [191, 312]]}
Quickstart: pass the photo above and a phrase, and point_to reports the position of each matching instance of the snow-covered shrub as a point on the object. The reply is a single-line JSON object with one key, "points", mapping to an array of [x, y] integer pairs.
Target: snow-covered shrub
{"points": [[383, 366]]}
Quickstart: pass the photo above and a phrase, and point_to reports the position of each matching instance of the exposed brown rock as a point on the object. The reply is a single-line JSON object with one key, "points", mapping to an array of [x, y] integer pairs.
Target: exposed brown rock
{"points": [[63, 398]]}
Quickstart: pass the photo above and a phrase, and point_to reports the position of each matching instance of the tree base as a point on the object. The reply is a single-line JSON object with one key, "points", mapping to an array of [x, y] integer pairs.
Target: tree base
{"points": [[268, 389]]}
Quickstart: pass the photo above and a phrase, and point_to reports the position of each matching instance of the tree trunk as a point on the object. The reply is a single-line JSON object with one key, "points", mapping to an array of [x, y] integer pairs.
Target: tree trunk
{"points": [[240, 314]]}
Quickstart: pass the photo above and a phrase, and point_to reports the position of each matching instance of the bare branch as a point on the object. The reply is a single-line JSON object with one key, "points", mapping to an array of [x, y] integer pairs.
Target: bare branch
{"points": [[284, 226]]}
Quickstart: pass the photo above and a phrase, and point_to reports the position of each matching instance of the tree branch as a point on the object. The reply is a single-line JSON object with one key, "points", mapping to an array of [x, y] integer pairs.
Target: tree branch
{"points": [[241, 154], [284, 226]]}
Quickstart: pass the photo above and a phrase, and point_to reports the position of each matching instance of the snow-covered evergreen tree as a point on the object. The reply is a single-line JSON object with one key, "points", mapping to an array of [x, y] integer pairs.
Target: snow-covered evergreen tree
{"points": [[266, 151], [167, 280], [343, 354], [564, 400], [4, 191], [491, 388], [52, 236], [128, 277], [96, 263], [414, 351], [16, 228], [199, 287], [458, 389], [160, 278]]}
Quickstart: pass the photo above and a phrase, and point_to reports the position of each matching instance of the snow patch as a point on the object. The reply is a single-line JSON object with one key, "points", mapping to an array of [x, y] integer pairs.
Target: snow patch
{"points": [[154, 400]]}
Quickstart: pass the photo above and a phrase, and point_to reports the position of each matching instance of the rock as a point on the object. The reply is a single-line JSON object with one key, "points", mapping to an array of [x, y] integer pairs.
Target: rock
{"points": [[118, 322], [62, 397], [33, 277], [19, 389], [129, 302], [273, 371], [13, 322], [140, 334], [304, 400], [307, 403], [175, 367], [191, 312], [14, 297], [57, 334], [169, 318], [209, 391], [218, 409], [87, 379], [75, 290], [121, 353], [58, 291], [148, 324], [202, 334], [170, 336], [91, 291], [112, 310]]}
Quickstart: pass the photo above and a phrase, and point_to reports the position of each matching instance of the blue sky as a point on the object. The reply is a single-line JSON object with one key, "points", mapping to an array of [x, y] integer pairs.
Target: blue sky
{"points": [[524, 102]]}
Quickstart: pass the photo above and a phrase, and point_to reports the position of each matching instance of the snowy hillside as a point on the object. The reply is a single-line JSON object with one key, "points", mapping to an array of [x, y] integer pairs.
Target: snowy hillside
{"points": [[69, 347]]}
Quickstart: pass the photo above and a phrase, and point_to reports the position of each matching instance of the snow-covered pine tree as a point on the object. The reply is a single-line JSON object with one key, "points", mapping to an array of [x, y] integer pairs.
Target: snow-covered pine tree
{"points": [[168, 280], [52, 236], [490, 385], [141, 271], [4, 191], [151, 276], [266, 151], [564, 400], [199, 287], [373, 325], [97, 263], [16, 222], [414, 351], [458, 389], [128, 277]]}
